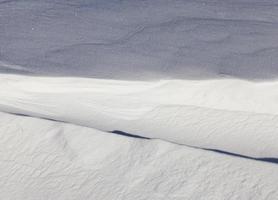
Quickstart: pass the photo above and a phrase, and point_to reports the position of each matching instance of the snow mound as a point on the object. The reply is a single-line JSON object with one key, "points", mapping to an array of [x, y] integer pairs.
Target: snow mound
{"points": [[229, 115], [42, 159]]}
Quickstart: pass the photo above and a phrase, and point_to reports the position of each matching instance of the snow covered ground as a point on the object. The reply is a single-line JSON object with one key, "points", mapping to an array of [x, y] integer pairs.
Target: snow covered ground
{"points": [[123, 39], [194, 82], [42, 159], [229, 115]]}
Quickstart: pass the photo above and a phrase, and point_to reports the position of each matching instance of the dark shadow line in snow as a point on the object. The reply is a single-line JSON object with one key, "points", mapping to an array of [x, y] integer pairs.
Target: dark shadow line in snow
{"points": [[128, 134], [122, 133], [45, 118], [271, 160]]}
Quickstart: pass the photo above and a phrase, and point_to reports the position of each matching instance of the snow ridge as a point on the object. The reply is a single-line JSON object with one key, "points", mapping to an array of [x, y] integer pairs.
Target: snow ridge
{"points": [[229, 115]]}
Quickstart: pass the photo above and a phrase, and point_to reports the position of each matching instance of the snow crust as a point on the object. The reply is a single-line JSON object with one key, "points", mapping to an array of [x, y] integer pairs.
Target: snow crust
{"points": [[42, 159]]}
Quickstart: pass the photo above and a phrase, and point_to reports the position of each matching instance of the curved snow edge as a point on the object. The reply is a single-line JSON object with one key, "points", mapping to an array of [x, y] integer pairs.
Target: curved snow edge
{"points": [[227, 115]]}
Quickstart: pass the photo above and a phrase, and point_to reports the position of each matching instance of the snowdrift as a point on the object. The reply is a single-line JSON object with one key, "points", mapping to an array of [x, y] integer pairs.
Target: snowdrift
{"points": [[42, 159], [184, 77], [229, 115]]}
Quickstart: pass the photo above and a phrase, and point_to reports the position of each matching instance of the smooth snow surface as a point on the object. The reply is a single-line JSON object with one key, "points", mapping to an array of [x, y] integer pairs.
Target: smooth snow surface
{"points": [[41, 159], [229, 115], [138, 39]]}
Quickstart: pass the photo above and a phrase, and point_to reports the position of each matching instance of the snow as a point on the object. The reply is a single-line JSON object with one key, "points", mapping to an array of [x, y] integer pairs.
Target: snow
{"points": [[43, 159], [228, 115], [187, 79], [141, 40]]}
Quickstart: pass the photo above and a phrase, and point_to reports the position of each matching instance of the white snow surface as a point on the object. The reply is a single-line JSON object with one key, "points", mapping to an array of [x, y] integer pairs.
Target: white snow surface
{"points": [[229, 115], [41, 159], [191, 75]]}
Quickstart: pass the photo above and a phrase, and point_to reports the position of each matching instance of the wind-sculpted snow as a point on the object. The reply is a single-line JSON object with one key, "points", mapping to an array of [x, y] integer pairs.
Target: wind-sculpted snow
{"points": [[229, 115], [41, 159], [136, 40], [138, 99]]}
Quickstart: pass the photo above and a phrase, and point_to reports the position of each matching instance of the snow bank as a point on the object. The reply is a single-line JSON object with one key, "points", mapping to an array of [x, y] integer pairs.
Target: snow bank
{"points": [[229, 115], [41, 159]]}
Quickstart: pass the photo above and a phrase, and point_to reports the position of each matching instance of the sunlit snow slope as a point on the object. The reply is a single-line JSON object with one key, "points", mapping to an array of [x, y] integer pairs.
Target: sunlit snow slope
{"points": [[230, 115]]}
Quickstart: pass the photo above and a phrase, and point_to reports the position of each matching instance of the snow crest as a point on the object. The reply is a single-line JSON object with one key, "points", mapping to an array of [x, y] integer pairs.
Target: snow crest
{"points": [[228, 115]]}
